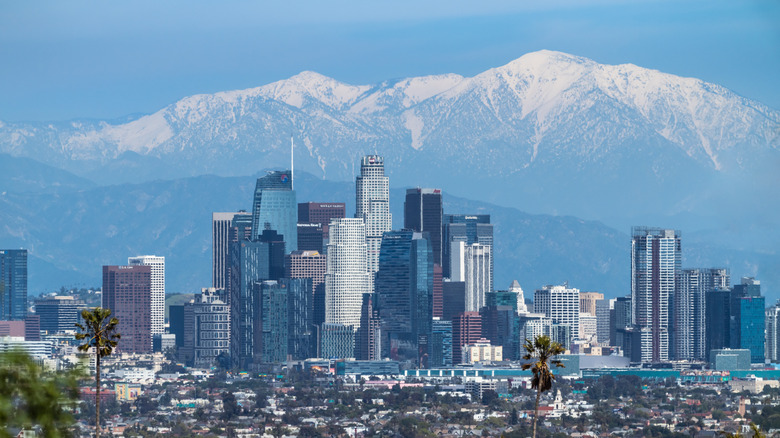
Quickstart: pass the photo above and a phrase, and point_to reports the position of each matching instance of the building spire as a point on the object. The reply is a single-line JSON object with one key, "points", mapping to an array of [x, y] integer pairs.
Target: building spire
{"points": [[292, 163]]}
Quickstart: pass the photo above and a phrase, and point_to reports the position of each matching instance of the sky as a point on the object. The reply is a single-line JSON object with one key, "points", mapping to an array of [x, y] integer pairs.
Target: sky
{"points": [[105, 60]]}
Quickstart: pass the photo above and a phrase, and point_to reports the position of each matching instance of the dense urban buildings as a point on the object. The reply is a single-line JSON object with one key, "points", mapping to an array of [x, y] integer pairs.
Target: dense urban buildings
{"points": [[157, 264], [655, 263], [372, 190], [127, 291], [464, 228], [13, 284], [473, 265], [275, 207]]}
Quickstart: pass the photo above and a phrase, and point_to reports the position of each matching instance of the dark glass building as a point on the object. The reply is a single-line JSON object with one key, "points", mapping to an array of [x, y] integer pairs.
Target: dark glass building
{"points": [[404, 288], [313, 221], [58, 313], [464, 228], [440, 344], [275, 207], [717, 320], [283, 324], [368, 337], [423, 212], [13, 284], [748, 319], [453, 299]]}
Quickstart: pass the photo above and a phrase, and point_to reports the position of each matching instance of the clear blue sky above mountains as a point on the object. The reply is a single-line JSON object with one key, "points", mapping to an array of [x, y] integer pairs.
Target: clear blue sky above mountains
{"points": [[97, 59]]}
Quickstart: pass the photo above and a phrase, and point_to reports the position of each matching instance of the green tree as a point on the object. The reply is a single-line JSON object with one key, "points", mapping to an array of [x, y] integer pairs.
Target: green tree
{"points": [[540, 355], [100, 333], [31, 397]]}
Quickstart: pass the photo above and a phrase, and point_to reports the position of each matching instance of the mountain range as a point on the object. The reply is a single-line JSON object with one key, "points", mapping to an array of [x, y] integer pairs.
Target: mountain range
{"points": [[549, 133]]}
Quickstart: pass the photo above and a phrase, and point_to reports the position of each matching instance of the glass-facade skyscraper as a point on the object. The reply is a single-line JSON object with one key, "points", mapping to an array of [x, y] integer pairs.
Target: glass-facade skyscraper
{"points": [[655, 263], [690, 310], [13, 284], [423, 212], [748, 318], [468, 228], [275, 208], [372, 190], [404, 288]]}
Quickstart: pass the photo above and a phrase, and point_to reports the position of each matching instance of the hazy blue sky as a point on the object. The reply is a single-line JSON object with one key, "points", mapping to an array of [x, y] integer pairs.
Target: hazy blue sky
{"points": [[106, 59]]}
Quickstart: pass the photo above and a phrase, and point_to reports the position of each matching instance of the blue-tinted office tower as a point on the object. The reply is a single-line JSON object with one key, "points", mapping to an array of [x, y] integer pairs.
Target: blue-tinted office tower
{"points": [[275, 208], [440, 344], [500, 322], [13, 284], [469, 228], [404, 288], [283, 326], [747, 318]]}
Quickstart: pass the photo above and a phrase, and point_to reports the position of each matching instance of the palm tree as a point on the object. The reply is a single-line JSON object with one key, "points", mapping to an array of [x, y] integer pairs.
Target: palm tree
{"points": [[101, 334], [539, 356]]}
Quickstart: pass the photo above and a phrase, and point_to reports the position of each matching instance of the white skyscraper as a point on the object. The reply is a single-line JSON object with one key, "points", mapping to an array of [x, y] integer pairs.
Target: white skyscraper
{"points": [[521, 307], [560, 303], [158, 289], [473, 265], [346, 275], [373, 205], [772, 334]]}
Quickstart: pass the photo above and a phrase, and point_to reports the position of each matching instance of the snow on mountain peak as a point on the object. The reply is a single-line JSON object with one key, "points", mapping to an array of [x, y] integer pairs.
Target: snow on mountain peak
{"points": [[296, 90]]}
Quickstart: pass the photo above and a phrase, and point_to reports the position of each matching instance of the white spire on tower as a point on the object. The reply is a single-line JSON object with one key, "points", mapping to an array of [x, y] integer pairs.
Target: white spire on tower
{"points": [[292, 162]]}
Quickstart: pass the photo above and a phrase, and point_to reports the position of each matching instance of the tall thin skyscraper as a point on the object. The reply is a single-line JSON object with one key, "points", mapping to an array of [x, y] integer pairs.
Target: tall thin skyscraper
{"points": [[221, 223], [372, 191], [690, 310], [158, 288], [473, 265], [655, 263], [127, 291], [275, 208], [346, 276], [423, 212], [772, 329], [13, 284]]}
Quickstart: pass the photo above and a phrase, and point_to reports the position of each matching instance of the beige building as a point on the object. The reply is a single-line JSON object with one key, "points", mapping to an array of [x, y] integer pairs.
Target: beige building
{"points": [[588, 302], [482, 351], [752, 384]]}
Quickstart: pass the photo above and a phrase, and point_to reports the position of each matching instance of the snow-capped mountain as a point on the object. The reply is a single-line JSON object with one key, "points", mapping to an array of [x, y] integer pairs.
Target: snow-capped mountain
{"points": [[557, 128]]}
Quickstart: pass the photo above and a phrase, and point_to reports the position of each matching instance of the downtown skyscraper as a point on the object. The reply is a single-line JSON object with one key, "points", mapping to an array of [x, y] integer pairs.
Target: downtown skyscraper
{"points": [[157, 264], [372, 190], [690, 310], [346, 275], [127, 291], [275, 208], [13, 284], [655, 262], [423, 212]]}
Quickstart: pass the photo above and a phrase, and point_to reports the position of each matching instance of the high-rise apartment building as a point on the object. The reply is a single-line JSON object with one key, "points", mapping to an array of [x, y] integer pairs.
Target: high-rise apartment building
{"points": [[373, 206], [127, 291], [275, 208], [621, 318], [772, 329], [603, 320], [655, 263], [562, 304], [404, 289], [438, 292], [283, 321], [423, 212], [157, 264], [464, 228], [206, 331], [221, 223], [346, 275], [690, 310], [59, 313], [473, 265], [13, 284]]}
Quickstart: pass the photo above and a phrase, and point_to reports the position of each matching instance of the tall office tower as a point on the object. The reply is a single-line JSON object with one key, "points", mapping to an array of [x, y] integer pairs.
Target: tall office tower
{"points": [[32, 327], [337, 341], [621, 317], [466, 329], [464, 228], [373, 205], [368, 342], [772, 329], [158, 288], [588, 302], [127, 291], [423, 212], [440, 344], [346, 273], [13, 284], [309, 264], [283, 328], [603, 320], [59, 313], [690, 310], [521, 306], [438, 292], [176, 323], [221, 223], [454, 297], [250, 262], [313, 221], [404, 289], [275, 207], [747, 318], [655, 263], [560, 303], [473, 264], [206, 331], [717, 320], [501, 323]]}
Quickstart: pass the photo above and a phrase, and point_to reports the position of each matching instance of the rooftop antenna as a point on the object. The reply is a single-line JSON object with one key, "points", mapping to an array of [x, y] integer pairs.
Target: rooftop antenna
{"points": [[292, 163]]}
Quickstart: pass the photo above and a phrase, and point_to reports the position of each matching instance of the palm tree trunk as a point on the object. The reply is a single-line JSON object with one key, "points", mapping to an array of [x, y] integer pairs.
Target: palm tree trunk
{"points": [[536, 411], [97, 397]]}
